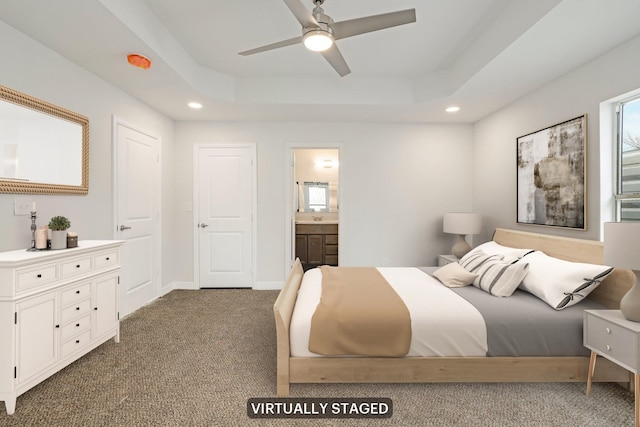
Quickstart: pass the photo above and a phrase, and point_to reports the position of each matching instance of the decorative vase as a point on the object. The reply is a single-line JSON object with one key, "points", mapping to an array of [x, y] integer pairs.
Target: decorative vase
{"points": [[461, 247], [630, 303], [58, 239]]}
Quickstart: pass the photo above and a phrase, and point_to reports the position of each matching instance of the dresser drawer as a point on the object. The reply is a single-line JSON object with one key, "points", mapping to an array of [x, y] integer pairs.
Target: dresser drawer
{"points": [[105, 259], [75, 344], [76, 327], [612, 340], [75, 310], [331, 260], [75, 293], [331, 249], [36, 276], [76, 266], [331, 239]]}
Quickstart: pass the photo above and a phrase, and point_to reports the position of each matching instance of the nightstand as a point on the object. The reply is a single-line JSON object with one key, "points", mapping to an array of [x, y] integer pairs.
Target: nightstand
{"points": [[608, 334], [447, 259]]}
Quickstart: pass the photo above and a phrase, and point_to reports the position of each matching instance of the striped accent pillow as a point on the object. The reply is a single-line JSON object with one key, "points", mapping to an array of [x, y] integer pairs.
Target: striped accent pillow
{"points": [[495, 276]]}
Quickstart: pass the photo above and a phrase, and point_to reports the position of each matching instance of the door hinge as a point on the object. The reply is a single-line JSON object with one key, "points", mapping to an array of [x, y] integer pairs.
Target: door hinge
{"points": [[15, 372], [118, 280], [118, 315], [15, 317]]}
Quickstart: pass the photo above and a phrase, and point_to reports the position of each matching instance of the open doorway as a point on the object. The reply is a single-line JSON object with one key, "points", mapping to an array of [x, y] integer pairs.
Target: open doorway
{"points": [[315, 208]]}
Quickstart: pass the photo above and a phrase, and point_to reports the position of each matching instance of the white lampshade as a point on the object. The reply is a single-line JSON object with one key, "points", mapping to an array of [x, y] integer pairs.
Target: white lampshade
{"points": [[622, 244], [462, 223], [622, 250]]}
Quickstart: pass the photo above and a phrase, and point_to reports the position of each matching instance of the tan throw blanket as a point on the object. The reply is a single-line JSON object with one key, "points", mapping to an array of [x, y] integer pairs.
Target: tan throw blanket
{"points": [[359, 314]]}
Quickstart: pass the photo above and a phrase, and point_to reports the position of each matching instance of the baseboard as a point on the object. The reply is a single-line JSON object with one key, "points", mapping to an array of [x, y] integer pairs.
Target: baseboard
{"points": [[180, 285], [260, 286]]}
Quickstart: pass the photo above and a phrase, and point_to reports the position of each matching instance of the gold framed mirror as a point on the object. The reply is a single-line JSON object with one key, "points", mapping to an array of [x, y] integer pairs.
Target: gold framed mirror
{"points": [[44, 148]]}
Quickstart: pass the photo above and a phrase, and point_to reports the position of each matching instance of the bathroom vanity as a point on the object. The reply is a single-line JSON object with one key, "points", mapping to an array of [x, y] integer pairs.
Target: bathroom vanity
{"points": [[317, 244]]}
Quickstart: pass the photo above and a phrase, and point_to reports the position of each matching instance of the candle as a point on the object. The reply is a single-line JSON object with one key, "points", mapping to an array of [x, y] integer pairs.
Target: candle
{"points": [[33, 206], [41, 237]]}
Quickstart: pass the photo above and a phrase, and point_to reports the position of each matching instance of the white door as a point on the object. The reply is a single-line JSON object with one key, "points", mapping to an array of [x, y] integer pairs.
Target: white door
{"points": [[225, 197], [137, 215]]}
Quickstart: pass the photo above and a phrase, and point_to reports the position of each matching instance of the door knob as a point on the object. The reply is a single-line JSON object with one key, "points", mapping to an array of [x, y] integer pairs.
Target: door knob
{"points": [[124, 227], [203, 225]]}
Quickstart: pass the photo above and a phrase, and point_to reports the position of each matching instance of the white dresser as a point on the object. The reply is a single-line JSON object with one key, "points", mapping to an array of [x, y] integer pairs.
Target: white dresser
{"points": [[55, 306]]}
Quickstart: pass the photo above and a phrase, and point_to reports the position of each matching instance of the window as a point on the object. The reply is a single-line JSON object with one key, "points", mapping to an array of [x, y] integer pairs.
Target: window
{"points": [[316, 196], [628, 161]]}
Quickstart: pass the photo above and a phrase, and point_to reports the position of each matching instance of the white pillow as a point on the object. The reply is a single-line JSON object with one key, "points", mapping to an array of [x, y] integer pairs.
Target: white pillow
{"points": [[495, 276], [454, 276], [493, 248], [561, 283]]}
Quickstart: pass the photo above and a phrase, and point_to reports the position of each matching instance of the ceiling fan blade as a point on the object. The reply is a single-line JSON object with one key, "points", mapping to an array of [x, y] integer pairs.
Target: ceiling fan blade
{"points": [[354, 27], [335, 58], [302, 14], [271, 46]]}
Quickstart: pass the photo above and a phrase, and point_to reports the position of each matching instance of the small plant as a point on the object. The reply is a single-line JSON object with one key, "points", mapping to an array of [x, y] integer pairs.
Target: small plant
{"points": [[59, 223]]}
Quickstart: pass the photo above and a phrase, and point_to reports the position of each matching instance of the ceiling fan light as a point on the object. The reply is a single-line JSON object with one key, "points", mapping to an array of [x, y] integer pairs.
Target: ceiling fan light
{"points": [[317, 40]]}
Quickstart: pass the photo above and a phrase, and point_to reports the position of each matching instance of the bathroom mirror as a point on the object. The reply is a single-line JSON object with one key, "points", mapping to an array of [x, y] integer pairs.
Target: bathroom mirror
{"points": [[44, 149]]}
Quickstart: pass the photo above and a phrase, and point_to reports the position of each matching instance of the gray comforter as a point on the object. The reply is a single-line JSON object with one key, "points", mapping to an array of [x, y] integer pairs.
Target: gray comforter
{"points": [[523, 325]]}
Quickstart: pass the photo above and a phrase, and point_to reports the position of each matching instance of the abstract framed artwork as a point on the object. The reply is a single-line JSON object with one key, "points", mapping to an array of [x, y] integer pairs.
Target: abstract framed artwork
{"points": [[551, 181]]}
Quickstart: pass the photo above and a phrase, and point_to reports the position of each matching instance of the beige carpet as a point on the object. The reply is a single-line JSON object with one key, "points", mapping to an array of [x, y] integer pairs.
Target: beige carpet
{"points": [[193, 358]]}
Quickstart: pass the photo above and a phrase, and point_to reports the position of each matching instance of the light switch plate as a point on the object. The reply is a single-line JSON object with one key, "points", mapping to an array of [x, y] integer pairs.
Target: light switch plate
{"points": [[22, 206]]}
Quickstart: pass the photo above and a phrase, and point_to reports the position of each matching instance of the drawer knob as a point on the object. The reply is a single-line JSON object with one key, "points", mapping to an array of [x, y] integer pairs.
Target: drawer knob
{"points": [[77, 308], [107, 258], [77, 341], [77, 325], [77, 265], [39, 275], [78, 291], [608, 347], [608, 330]]}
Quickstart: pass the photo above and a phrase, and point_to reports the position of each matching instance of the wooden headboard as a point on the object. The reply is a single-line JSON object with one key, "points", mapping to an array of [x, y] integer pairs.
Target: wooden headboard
{"points": [[610, 291]]}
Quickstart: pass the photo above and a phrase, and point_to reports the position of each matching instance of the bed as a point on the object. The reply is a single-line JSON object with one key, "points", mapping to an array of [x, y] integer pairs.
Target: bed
{"points": [[480, 368]]}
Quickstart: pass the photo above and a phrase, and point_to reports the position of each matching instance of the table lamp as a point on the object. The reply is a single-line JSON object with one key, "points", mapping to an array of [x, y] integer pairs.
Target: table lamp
{"points": [[461, 223], [622, 249]]}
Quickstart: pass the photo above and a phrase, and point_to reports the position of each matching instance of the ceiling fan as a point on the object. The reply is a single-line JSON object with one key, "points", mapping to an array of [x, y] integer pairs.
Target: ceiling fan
{"points": [[319, 32]]}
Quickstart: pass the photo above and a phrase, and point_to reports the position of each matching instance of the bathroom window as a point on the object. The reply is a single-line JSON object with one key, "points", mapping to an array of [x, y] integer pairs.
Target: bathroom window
{"points": [[628, 161], [316, 196]]}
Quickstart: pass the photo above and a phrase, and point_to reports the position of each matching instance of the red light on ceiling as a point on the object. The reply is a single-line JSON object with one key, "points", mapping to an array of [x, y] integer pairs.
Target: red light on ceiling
{"points": [[138, 60]]}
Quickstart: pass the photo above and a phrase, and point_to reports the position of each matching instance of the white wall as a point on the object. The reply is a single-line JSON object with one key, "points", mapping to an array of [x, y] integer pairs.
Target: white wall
{"points": [[30, 67], [397, 180], [578, 92]]}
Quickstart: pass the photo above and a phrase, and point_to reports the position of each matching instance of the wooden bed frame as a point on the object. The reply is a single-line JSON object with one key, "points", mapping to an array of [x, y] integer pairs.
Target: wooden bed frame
{"points": [[455, 369]]}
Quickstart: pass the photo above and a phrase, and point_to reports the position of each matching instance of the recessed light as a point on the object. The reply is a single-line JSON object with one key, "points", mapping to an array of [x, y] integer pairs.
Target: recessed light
{"points": [[452, 109], [195, 105]]}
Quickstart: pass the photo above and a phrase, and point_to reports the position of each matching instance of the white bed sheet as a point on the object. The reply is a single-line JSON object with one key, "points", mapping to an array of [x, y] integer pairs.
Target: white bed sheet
{"points": [[442, 322]]}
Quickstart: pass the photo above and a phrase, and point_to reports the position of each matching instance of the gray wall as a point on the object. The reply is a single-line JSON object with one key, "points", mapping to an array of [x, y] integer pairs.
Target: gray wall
{"points": [[581, 91], [29, 67], [397, 180]]}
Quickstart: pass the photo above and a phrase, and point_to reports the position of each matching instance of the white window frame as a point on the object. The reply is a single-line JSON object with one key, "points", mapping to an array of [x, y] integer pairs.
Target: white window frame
{"points": [[619, 196], [307, 198]]}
